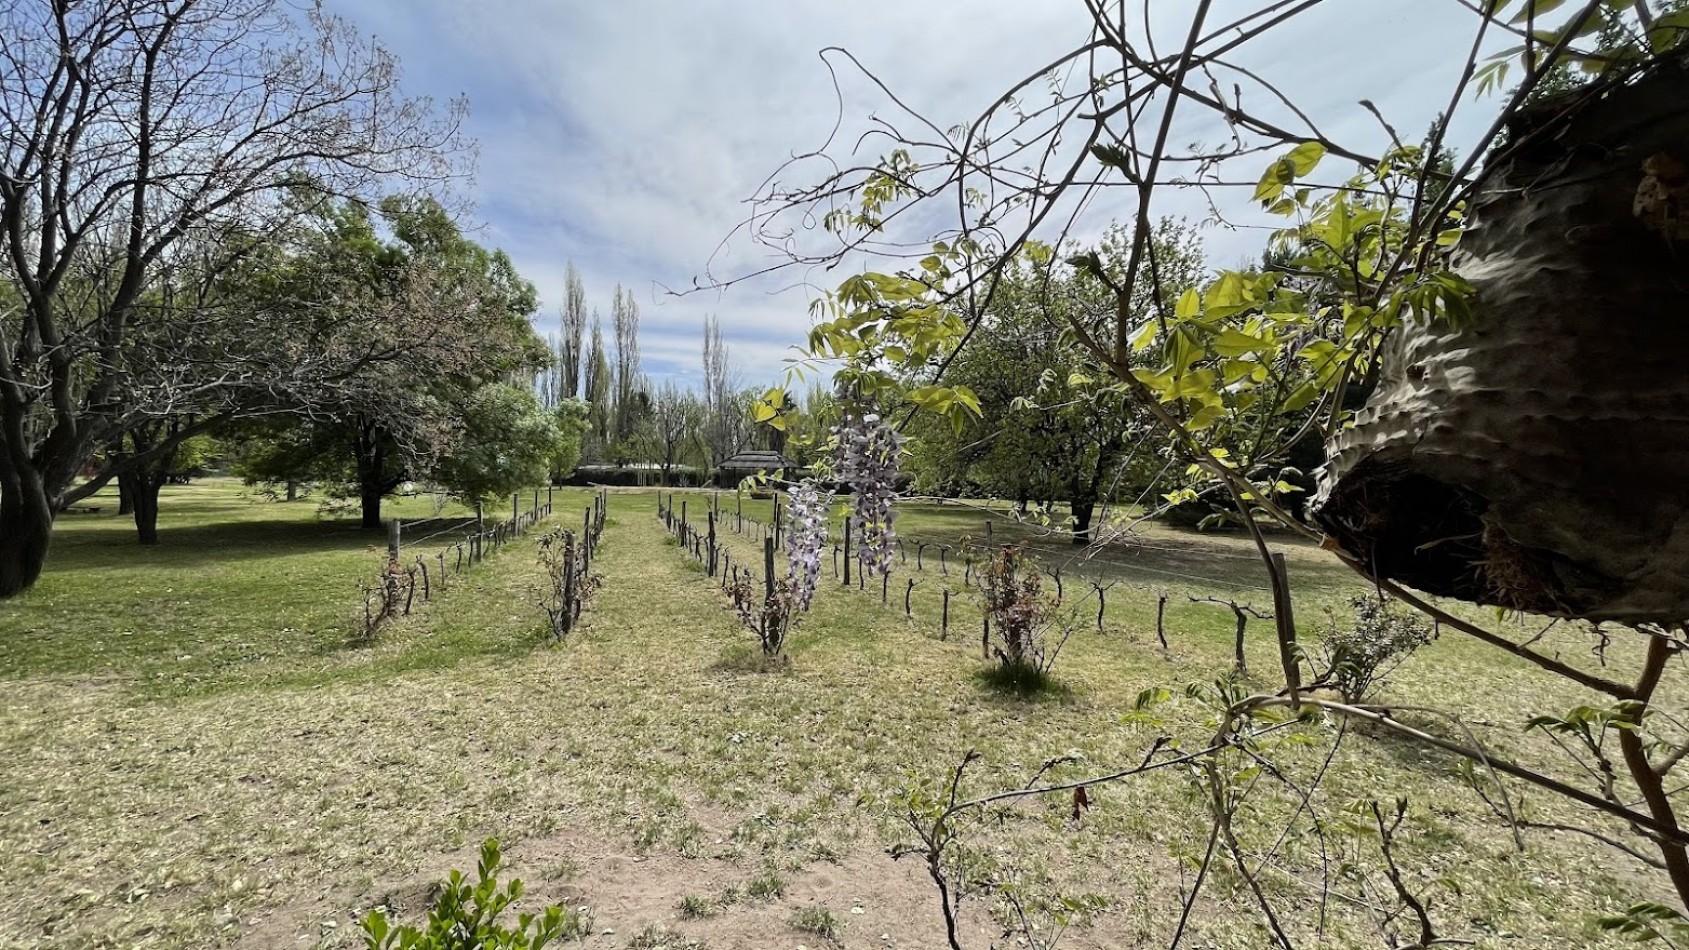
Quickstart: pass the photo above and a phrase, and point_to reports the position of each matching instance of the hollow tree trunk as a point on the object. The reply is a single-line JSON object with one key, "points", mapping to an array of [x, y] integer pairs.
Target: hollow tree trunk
{"points": [[26, 530], [1532, 457]]}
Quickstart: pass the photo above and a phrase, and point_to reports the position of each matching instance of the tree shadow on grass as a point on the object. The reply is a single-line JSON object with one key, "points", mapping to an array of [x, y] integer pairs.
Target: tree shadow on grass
{"points": [[1022, 682], [745, 658], [103, 546]]}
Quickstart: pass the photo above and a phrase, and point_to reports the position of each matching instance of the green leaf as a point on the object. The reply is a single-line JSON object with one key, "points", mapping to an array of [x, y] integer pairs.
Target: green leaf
{"points": [[1232, 342], [1668, 31], [1189, 305], [1306, 157]]}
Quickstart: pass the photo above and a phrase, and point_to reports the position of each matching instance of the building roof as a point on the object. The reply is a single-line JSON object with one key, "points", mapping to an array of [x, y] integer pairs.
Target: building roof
{"points": [[758, 460]]}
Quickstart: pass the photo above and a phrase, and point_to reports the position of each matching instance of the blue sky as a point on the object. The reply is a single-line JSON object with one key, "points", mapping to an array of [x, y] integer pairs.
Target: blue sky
{"points": [[625, 135]]}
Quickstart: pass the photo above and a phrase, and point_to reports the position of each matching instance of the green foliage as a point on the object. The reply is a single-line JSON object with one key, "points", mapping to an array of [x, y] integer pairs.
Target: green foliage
{"points": [[466, 917], [1648, 921], [1610, 40], [1051, 426], [1360, 655], [570, 421], [506, 443]]}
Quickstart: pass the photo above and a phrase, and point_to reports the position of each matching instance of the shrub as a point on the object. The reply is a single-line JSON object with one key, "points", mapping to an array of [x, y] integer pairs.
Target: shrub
{"points": [[466, 917], [1359, 658], [770, 617], [1027, 629]]}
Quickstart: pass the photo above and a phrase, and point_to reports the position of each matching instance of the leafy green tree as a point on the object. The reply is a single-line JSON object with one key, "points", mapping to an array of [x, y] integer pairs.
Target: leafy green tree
{"points": [[507, 442], [570, 418], [1050, 428], [220, 110], [398, 420]]}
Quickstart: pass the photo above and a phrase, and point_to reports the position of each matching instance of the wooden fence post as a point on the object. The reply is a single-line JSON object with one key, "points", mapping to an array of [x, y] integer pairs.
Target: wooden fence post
{"points": [[712, 563], [847, 552], [768, 565], [1286, 631], [393, 530], [944, 624]]}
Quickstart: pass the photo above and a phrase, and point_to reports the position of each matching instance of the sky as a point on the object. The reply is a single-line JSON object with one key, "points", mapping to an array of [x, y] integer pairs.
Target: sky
{"points": [[626, 135]]}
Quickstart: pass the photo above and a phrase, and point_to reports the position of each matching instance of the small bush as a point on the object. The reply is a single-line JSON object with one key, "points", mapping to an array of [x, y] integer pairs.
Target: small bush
{"points": [[466, 917], [1027, 627], [1360, 657], [816, 920], [770, 617]]}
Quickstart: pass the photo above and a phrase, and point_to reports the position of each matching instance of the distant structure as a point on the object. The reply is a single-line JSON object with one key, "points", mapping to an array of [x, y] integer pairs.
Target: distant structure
{"points": [[738, 467]]}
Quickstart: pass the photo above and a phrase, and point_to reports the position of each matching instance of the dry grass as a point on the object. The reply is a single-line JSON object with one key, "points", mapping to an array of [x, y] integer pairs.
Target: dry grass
{"points": [[236, 758]]}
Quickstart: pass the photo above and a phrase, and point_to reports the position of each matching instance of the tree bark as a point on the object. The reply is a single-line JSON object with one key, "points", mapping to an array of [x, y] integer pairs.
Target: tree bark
{"points": [[1083, 511], [125, 495], [369, 501], [143, 494], [26, 529]]}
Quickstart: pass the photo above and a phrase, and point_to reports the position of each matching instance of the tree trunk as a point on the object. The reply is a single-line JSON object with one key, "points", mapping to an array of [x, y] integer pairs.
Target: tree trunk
{"points": [[369, 499], [125, 495], [373, 482], [143, 495], [26, 528], [292, 490], [1083, 510]]}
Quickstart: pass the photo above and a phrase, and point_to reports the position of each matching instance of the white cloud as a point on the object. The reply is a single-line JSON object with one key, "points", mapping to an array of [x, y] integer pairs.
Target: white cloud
{"points": [[625, 136]]}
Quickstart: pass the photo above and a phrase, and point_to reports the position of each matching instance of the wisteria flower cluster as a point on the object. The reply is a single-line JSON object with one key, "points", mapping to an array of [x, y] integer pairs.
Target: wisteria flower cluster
{"points": [[868, 457], [806, 535]]}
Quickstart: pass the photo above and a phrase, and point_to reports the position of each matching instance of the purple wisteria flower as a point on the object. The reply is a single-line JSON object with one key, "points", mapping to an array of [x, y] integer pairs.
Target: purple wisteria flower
{"points": [[869, 456], [806, 535]]}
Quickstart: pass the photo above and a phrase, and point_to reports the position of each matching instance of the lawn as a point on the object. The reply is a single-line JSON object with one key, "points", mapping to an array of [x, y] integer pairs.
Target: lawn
{"points": [[197, 749]]}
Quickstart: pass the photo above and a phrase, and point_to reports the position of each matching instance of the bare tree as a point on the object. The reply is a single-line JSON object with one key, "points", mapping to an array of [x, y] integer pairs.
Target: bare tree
{"points": [[677, 419], [128, 127], [723, 427]]}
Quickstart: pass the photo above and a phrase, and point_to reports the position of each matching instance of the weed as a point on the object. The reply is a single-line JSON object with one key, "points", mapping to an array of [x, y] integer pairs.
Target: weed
{"points": [[471, 912], [816, 920], [658, 937], [696, 907], [766, 886]]}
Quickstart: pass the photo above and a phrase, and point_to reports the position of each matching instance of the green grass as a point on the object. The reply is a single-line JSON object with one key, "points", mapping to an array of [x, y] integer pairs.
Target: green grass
{"points": [[192, 737], [816, 920]]}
